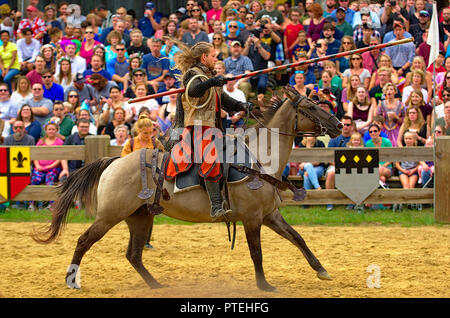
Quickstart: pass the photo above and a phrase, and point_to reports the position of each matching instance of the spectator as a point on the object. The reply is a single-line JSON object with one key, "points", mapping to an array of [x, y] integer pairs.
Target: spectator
{"points": [[52, 91], [417, 80], [419, 64], [342, 24], [75, 17], [196, 12], [83, 113], [290, 38], [356, 68], [390, 15], [217, 27], [416, 100], [300, 84], [110, 104], [343, 63], [365, 10], [118, 66], [275, 16], [20, 136], [349, 13], [137, 45], [101, 86], [234, 120], [150, 22], [259, 53], [311, 171], [8, 109], [237, 64], [33, 22], [63, 120], [155, 64], [121, 134], [438, 111], [444, 122], [365, 26], [132, 110], [113, 38], [78, 63], [385, 63], [221, 48], [138, 75], [65, 76], [393, 112], [97, 68], [9, 61], [83, 91], [50, 20], [32, 126], [335, 83], [46, 171], [214, 13], [384, 168], [408, 170], [367, 34], [379, 120], [310, 79], [333, 44], [48, 52], [22, 92], [169, 81], [316, 23], [40, 106], [417, 29], [317, 50], [371, 59], [118, 119], [401, 55], [27, 50], [88, 44], [105, 14], [361, 110], [195, 33], [415, 124], [76, 138]]}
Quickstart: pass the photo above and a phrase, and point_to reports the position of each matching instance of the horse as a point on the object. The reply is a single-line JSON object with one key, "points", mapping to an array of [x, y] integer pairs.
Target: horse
{"points": [[109, 188]]}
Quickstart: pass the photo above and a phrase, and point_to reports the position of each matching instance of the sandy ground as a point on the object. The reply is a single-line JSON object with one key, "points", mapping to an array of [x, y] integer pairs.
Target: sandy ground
{"points": [[196, 261]]}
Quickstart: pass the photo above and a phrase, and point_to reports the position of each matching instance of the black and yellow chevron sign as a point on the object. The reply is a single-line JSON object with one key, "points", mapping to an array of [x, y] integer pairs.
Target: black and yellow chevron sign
{"points": [[356, 158]]}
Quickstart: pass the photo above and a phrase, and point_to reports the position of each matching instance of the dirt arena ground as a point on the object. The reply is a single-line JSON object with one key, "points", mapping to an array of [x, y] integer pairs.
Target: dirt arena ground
{"points": [[196, 261]]}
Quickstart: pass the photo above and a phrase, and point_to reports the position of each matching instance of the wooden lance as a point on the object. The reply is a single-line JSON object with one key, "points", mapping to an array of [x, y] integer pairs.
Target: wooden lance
{"points": [[285, 66]]}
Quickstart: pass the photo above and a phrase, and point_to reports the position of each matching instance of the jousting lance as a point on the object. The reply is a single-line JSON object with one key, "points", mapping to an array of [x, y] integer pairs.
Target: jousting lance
{"points": [[285, 66]]}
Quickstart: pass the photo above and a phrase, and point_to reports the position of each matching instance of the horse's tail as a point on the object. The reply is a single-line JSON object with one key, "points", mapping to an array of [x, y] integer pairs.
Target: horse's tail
{"points": [[80, 185]]}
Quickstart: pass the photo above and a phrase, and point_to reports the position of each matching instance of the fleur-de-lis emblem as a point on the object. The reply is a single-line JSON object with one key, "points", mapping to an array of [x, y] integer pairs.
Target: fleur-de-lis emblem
{"points": [[20, 159]]}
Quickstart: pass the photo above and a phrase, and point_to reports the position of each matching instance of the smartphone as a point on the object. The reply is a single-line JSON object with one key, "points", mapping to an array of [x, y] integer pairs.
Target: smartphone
{"points": [[316, 88]]}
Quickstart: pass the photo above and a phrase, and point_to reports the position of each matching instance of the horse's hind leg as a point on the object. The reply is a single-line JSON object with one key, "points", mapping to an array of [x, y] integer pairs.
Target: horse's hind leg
{"points": [[139, 224], [253, 233], [276, 222], [94, 233]]}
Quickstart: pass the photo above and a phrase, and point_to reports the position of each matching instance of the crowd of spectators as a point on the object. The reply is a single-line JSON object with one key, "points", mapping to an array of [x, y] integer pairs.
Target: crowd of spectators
{"points": [[65, 74]]}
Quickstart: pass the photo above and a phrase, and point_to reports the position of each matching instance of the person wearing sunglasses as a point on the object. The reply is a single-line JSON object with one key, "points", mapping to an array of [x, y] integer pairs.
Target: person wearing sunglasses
{"points": [[118, 66], [384, 168], [445, 120], [87, 46], [52, 90], [64, 120]]}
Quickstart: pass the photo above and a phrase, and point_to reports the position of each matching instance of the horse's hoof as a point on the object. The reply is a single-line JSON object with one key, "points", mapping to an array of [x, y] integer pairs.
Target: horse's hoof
{"points": [[323, 275]]}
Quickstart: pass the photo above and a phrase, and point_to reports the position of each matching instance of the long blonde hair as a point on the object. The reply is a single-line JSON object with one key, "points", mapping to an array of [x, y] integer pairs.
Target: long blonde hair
{"points": [[143, 122], [189, 56]]}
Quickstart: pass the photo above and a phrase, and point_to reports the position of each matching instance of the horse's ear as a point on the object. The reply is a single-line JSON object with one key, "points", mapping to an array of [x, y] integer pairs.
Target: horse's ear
{"points": [[292, 94]]}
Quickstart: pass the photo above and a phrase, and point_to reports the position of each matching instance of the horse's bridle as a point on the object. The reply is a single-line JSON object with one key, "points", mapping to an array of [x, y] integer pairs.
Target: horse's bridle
{"points": [[323, 130]]}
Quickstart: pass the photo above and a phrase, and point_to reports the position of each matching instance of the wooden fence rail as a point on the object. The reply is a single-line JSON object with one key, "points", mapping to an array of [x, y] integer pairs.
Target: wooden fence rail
{"points": [[98, 146]]}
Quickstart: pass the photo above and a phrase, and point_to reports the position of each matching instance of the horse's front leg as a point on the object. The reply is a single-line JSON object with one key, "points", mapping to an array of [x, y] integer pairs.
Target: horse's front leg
{"points": [[276, 222], [253, 233]]}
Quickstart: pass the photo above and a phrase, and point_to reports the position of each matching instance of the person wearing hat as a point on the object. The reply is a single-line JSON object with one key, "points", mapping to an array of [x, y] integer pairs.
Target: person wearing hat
{"points": [[85, 91], [342, 24], [33, 22], [151, 20], [358, 33], [423, 24], [349, 13], [169, 82], [237, 64]]}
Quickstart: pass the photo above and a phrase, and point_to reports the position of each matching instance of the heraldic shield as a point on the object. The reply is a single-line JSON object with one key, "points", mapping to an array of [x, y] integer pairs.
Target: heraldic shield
{"points": [[15, 171], [357, 173]]}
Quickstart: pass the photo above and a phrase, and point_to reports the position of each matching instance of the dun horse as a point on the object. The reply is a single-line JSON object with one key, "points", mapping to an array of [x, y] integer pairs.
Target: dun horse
{"points": [[109, 187]]}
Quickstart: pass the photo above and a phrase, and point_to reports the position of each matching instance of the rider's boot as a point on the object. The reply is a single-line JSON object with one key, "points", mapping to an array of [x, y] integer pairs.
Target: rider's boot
{"points": [[215, 197]]}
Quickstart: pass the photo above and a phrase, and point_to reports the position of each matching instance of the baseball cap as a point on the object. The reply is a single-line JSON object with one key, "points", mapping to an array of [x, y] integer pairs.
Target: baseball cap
{"points": [[364, 11], [341, 9], [235, 42], [368, 25], [79, 78], [182, 10], [31, 8], [424, 13], [169, 75], [149, 5]]}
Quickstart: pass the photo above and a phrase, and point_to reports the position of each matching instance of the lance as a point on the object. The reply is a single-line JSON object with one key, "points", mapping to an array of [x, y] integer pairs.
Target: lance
{"points": [[285, 66]]}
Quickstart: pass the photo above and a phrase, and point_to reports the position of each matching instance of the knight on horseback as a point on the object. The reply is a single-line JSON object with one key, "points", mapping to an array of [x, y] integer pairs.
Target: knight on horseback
{"points": [[199, 109]]}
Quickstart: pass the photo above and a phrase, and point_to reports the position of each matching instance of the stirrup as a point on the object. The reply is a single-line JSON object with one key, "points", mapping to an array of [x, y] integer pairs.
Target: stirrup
{"points": [[215, 213]]}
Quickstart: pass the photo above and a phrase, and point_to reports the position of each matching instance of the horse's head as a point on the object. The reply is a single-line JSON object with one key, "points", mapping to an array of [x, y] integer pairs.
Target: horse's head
{"points": [[311, 118]]}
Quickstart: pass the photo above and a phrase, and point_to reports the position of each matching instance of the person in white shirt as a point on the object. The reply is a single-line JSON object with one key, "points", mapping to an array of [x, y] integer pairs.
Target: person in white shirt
{"points": [[78, 63], [231, 89], [27, 49]]}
